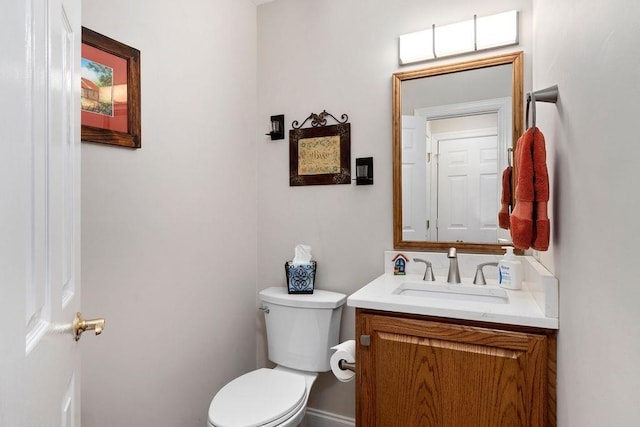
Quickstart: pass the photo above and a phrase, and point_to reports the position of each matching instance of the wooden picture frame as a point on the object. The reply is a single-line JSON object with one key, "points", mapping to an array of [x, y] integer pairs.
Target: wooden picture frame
{"points": [[110, 91], [320, 155]]}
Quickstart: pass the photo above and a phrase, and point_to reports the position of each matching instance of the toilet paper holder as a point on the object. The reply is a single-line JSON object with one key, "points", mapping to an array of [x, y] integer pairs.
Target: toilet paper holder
{"points": [[346, 366]]}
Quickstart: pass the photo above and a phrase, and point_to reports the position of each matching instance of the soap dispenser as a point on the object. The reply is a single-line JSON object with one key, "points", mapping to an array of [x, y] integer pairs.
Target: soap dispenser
{"points": [[510, 270]]}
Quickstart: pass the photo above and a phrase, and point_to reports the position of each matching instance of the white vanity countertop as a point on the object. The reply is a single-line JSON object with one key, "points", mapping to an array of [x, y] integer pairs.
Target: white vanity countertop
{"points": [[536, 304]]}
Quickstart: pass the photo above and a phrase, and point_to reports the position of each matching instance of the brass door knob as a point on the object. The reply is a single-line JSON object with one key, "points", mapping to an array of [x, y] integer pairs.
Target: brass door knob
{"points": [[80, 325]]}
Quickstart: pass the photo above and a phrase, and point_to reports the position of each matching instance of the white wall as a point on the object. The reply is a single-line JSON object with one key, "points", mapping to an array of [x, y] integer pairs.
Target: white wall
{"points": [[591, 50], [169, 231], [162, 225], [339, 56]]}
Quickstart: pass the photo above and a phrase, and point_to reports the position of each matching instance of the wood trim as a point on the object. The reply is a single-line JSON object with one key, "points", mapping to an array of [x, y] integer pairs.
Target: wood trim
{"points": [[451, 332], [365, 395], [462, 322], [516, 59], [552, 375]]}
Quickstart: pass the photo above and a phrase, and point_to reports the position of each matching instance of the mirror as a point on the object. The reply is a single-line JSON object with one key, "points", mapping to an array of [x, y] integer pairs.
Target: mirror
{"points": [[467, 117]]}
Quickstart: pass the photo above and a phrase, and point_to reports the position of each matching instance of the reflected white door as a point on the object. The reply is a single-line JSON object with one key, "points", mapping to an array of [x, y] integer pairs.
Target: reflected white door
{"points": [[40, 208], [468, 188], [414, 178]]}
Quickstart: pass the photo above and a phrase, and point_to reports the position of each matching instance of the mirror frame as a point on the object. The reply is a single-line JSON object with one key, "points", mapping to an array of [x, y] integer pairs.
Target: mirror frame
{"points": [[516, 60]]}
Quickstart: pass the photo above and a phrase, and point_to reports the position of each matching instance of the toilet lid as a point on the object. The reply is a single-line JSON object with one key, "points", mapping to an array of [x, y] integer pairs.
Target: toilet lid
{"points": [[257, 398]]}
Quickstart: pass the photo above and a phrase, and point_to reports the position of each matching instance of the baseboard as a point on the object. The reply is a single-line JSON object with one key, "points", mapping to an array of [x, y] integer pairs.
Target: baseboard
{"points": [[318, 418]]}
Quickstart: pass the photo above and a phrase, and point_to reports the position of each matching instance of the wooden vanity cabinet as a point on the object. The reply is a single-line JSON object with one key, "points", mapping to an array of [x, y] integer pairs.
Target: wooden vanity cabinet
{"points": [[423, 371]]}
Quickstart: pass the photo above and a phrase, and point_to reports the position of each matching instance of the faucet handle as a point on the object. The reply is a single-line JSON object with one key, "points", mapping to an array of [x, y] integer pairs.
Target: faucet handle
{"points": [[428, 272], [453, 253], [479, 279]]}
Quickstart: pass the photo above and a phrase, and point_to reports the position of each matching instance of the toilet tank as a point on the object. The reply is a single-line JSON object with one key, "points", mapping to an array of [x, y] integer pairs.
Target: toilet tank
{"points": [[302, 328]]}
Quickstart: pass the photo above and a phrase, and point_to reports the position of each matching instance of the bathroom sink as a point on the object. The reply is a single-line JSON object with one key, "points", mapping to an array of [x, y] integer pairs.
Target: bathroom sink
{"points": [[535, 305], [455, 292]]}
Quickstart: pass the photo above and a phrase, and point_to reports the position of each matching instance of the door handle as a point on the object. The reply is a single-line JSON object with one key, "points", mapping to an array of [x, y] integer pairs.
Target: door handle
{"points": [[80, 325]]}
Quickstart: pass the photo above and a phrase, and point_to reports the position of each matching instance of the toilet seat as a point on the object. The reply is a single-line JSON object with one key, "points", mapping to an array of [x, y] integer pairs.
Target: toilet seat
{"points": [[261, 398]]}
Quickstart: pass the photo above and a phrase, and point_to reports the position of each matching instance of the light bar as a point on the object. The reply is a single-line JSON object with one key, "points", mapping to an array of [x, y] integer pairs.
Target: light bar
{"points": [[479, 33]]}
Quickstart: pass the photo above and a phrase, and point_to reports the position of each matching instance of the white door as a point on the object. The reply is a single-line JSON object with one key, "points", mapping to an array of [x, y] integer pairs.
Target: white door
{"points": [[468, 189], [40, 213], [414, 178]]}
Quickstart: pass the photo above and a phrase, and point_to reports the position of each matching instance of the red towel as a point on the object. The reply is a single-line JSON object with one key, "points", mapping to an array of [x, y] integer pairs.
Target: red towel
{"points": [[505, 200], [529, 221]]}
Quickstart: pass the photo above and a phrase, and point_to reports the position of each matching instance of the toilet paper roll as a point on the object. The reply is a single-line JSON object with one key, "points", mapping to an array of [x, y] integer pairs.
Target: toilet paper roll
{"points": [[347, 351]]}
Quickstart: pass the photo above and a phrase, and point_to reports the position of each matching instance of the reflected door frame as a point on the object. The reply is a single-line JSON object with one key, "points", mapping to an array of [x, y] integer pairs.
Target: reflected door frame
{"points": [[478, 222], [502, 107]]}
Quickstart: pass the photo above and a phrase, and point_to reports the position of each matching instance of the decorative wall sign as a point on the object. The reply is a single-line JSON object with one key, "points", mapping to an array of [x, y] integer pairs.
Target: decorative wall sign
{"points": [[110, 93], [320, 154]]}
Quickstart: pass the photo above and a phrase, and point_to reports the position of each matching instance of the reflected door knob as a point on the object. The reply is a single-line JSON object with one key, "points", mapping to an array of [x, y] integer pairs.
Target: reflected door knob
{"points": [[80, 325]]}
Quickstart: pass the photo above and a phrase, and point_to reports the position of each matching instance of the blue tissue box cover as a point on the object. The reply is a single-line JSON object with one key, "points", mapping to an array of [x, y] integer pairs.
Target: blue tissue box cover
{"points": [[300, 277]]}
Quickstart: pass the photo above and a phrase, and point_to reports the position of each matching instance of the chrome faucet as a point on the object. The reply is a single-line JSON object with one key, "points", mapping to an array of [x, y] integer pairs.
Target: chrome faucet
{"points": [[479, 279], [428, 272], [454, 273]]}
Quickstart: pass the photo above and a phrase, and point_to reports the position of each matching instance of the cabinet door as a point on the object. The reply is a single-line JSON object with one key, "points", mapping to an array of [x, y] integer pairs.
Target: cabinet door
{"points": [[425, 373]]}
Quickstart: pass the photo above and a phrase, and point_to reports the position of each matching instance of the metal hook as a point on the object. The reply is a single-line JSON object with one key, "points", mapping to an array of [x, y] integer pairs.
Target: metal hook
{"points": [[531, 101], [533, 111]]}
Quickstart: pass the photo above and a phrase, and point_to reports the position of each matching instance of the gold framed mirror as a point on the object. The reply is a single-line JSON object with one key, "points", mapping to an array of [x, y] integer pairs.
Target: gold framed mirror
{"points": [[408, 97]]}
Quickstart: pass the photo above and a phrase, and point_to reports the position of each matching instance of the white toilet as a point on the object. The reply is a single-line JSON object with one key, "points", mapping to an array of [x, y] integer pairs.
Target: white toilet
{"points": [[301, 328]]}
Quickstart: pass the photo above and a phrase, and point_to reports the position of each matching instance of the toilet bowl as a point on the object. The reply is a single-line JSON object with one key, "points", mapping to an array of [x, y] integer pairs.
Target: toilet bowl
{"points": [[264, 397], [301, 329]]}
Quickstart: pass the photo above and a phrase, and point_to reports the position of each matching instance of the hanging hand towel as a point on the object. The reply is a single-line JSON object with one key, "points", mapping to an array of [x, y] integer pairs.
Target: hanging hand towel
{"points": [[505, 201], [541, 226], [529, 222]]}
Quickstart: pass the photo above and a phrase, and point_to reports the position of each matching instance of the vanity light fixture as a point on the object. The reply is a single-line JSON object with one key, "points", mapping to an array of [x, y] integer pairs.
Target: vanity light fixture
{"points": [[479, 33], [277, 127]]}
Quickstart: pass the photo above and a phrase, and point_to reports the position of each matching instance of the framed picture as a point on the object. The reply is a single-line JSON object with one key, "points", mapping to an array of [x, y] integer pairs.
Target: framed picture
{"points": [[320, 155], [110, 93]]}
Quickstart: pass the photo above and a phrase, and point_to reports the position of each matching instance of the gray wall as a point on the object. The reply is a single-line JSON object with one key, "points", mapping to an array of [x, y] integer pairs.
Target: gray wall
{"points": [[338, 55], [169, 231], [591, 51]]}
